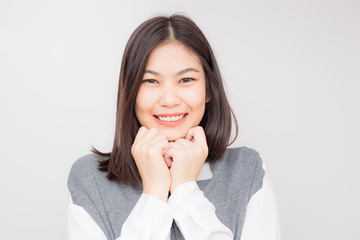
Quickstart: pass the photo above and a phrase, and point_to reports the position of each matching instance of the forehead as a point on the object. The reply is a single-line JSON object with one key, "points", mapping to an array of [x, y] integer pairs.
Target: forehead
{"points": [[172, 56]]}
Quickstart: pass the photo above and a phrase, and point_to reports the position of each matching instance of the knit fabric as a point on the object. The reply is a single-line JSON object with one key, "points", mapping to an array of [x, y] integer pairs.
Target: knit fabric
{"points": [[236, 177]]}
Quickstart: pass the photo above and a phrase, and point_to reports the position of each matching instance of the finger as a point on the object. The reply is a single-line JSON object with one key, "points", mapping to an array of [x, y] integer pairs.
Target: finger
{"points": [[198, 135], [168, 162], [140, 133], [175, 149], [183, 142], [158, 142], [156, 147], [177, 144], [169, 154], [189, 135], [149, 135], [165, 150]]}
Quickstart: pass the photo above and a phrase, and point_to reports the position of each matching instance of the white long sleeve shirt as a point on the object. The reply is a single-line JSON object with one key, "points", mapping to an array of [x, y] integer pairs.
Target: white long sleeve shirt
{"points": [[152, 218]]}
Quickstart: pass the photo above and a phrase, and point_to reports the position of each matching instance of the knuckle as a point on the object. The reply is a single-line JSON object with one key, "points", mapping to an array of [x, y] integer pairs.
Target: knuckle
{"points": [[134, 148], [163, 138], [142, 148], [153, 130], [151, 151], [141, 129], [198, 151]]}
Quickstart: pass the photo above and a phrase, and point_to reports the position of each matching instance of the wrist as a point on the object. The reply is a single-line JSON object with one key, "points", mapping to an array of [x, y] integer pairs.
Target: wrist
{"points": [[160, 193], [186, 195], [176, 184]]}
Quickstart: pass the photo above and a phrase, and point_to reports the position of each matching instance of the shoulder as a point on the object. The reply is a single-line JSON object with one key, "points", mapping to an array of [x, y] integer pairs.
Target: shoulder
{"points": [[242, 156], [241, 165], [85, 183], [84, 173], [84, 166]]}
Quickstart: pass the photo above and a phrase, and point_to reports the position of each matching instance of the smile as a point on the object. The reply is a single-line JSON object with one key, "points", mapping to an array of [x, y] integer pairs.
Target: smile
{"points": [[170, 118]]}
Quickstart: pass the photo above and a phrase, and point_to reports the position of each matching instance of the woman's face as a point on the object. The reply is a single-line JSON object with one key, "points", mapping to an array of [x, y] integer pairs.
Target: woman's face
{"points": [[172, 94]]}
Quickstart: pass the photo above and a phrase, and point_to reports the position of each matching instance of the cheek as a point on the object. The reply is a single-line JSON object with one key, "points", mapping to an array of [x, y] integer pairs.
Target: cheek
{"points": [[144, 100], [143, 105], [195, 97]]}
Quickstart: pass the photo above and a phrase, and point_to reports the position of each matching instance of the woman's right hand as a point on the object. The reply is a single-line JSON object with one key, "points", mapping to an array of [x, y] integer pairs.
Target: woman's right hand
{"points": [[148, 150]]}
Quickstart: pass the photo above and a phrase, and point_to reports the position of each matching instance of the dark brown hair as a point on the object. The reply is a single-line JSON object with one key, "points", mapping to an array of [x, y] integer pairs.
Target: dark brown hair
{"points": [[217, 120]]}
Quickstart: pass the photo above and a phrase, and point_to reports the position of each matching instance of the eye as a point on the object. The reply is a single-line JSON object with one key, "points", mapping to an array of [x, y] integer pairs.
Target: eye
{"points": [[149, 81], [186, 80]]}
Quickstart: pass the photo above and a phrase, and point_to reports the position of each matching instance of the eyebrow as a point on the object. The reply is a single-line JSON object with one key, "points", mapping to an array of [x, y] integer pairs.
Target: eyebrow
{"points": [[179, 73]]}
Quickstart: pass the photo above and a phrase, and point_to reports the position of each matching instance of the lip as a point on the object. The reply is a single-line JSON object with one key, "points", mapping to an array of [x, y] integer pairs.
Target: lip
{"points": [[171, 123], [169, 114]]}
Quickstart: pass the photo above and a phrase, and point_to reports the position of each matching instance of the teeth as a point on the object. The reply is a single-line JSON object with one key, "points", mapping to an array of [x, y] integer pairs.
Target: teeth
{"points": [[172, 119]]}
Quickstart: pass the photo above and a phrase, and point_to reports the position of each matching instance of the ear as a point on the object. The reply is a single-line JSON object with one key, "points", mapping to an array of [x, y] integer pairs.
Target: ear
{"points": [[208, 98]]}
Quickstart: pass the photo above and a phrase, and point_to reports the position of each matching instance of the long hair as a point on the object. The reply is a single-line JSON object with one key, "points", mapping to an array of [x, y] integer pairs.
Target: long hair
{"points": [[217, 120]]}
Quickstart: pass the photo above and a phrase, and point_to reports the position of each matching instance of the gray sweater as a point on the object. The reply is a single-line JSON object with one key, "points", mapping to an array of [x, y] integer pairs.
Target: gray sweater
{"points": [[236, 177]]}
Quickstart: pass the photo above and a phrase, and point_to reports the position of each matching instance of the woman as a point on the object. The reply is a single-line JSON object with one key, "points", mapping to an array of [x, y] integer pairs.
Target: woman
{"points": [[170, 174]]}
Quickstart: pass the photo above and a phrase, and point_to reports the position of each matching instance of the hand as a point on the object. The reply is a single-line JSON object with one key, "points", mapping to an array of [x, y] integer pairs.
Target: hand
{"points": [[148, 150], [188, 156]]}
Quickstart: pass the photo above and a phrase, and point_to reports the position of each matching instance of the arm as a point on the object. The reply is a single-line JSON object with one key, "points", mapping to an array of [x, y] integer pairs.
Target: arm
{"points": [[150, 219], [195, 214], [261, 219], [81, 226]]}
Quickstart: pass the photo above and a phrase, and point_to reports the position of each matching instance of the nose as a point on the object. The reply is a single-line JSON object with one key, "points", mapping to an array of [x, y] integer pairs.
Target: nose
{"points": [[170, 97]]}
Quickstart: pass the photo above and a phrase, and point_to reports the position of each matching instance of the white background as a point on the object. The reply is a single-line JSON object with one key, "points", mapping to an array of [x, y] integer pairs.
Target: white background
{"points": [[292, 76]]}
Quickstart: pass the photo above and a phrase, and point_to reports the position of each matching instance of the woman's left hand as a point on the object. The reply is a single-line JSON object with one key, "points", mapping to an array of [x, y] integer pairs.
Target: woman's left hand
{"points": [[188, 156]]}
